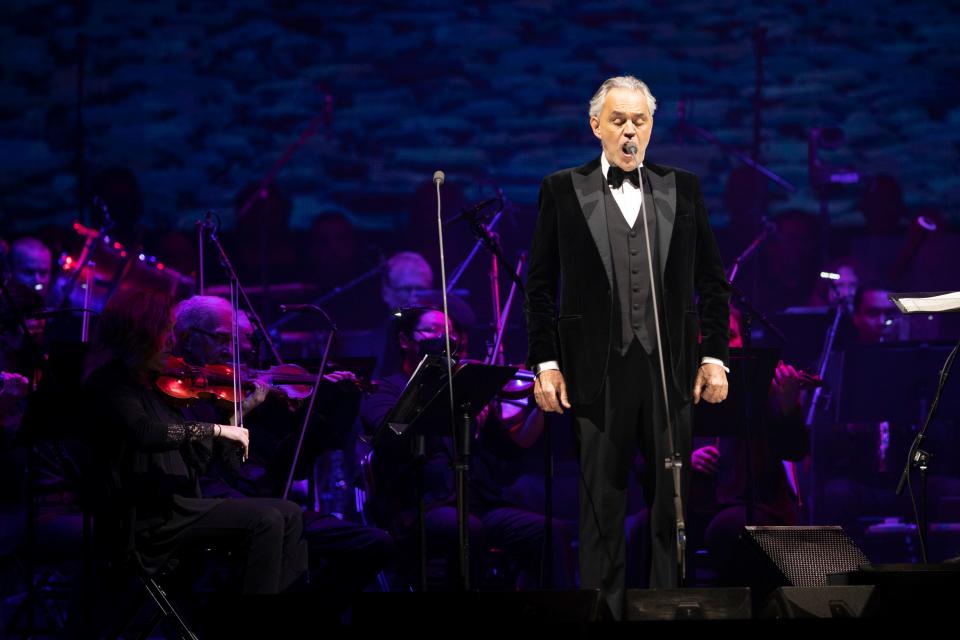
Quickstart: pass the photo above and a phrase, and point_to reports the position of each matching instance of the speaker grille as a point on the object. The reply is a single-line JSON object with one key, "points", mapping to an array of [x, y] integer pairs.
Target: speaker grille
{"points": [[806, 555]]}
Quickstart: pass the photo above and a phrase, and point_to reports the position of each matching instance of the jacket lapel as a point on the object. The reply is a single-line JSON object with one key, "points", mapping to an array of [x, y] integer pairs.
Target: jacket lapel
{"points": [[663, 200], [588, 184]]}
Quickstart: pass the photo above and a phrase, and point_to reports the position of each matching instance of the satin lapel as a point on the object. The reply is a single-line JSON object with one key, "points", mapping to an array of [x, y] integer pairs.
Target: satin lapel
{"points": [[589, 189], [664, 202]]}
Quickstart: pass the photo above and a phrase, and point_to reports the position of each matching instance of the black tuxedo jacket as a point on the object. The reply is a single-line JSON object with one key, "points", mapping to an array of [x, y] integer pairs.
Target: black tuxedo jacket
{"points": [[571, 253]]}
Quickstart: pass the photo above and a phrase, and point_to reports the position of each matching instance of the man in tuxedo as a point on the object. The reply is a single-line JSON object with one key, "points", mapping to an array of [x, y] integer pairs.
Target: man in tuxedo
{"points": [[593, 344]]}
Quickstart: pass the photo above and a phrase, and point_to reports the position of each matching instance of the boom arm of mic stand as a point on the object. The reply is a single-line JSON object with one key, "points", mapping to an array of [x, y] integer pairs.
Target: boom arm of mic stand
{"points": [[761, 237], [330, 295], [452, 282], [493, 246], [756, 313], [313, 400], [747, 160]]}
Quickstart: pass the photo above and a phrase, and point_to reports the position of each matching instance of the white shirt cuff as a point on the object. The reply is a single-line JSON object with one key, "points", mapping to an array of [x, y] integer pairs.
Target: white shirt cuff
{"points": [[716, 361], [548, 366]]}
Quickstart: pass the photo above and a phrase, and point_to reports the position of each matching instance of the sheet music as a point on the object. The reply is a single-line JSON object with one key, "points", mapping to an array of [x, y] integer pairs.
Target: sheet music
{"points": [[933, 304]]}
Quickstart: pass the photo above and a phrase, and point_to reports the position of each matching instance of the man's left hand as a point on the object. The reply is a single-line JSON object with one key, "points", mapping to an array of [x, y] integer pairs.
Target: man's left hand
{"points": [[711, 383]]}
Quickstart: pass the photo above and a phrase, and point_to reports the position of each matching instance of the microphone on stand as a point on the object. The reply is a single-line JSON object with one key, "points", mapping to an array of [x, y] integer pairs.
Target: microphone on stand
{"points": [[472, 213], [673, 462], [461, 441]]}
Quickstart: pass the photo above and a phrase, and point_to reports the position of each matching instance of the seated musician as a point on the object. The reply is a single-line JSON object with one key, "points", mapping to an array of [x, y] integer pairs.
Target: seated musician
{"points": [[859, 463], [343, 554], [154, 457], [720, 487], [494, 522]]}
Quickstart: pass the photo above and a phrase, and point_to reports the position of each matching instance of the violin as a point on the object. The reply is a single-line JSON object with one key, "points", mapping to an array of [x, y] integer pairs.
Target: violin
{"points": [[183, 381], [516, 411]]}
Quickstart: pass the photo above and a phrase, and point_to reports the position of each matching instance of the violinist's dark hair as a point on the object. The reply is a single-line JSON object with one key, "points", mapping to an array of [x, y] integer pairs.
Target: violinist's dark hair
{"points": [[131, 331]]}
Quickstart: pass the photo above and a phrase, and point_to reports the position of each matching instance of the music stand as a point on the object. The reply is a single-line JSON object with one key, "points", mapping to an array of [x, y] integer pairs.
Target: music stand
{"points": [[423, 409], [751, 371], [926, 303]]}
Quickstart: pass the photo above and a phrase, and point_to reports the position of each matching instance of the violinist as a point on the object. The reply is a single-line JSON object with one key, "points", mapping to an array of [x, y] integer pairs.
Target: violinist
{"points": [[342, 554], [154, 457], [493, 520]]}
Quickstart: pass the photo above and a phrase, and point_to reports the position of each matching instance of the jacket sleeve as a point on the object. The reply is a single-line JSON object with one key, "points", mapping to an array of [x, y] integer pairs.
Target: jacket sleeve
{"points": [[543, 276], [713, 289]]}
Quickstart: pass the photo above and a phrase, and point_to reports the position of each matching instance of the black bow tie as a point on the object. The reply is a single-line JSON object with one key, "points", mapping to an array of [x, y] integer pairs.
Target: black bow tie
{"points": [[616, 176]]}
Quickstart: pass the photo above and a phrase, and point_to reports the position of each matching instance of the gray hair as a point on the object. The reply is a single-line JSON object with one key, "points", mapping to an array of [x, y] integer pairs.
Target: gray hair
{"points": [[620, 82], [199, 312], [407, 260]]}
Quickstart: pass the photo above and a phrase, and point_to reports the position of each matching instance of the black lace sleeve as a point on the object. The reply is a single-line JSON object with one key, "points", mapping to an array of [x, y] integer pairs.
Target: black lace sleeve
{"points": [[189, 432]]}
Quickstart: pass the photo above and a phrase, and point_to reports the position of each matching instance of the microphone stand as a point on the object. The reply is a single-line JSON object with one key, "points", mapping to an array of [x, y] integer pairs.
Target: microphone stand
{"points": [[753, 312], [313, 398], [749, 251], [674, 462], [492, 243], [331, 294], [255, 320], [815, 401], [920, 459], [458, 272], [461, 432], [202, 228]]}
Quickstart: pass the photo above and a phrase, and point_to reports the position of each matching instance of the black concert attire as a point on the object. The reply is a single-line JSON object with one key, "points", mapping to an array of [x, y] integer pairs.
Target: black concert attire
{"points": [[154, 459], [589, 309], [344, 555]]}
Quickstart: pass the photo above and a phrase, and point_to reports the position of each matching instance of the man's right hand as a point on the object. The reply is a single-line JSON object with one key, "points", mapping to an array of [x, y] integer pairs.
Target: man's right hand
{"points": [[550, 391]]}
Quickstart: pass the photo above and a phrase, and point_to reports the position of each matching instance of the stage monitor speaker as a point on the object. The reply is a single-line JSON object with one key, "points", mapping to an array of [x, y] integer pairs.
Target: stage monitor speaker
{"points": [[820, 602], [771, 557], [688, 604]]}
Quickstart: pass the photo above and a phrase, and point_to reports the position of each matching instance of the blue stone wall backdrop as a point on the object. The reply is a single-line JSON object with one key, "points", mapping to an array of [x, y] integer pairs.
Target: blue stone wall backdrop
{"points": [[199, 98]]}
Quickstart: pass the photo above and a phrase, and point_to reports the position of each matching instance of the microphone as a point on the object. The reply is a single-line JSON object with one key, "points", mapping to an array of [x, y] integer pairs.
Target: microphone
{"points": [[439, 177], [632, 149], [473, 212]]}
